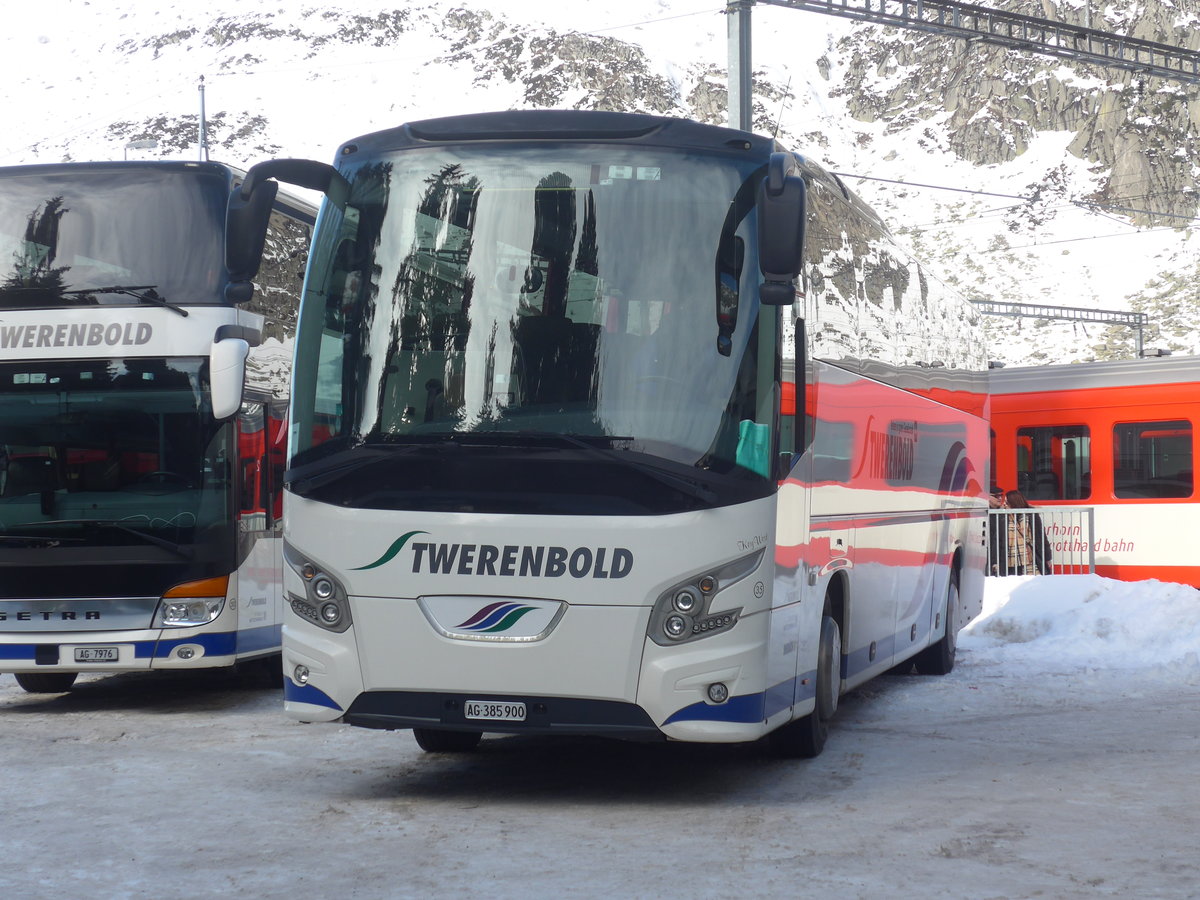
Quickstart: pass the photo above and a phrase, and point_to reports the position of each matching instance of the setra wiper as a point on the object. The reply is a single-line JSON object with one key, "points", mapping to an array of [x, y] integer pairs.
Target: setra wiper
{"points": [[146, 293], [694, 487], [177, 549], [37, 539]]}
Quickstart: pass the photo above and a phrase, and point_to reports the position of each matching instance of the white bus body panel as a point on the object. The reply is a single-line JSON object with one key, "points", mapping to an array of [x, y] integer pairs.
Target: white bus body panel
{"points": [[598, 649]]}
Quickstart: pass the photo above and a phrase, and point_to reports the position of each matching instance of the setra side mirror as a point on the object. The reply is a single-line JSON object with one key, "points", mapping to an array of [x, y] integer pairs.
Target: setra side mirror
{"points": [[227, 375]]}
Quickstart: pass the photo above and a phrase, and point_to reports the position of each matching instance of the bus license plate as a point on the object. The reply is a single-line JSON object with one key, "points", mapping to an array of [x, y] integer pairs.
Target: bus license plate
{"points": [[96, 654], [494, 711]]}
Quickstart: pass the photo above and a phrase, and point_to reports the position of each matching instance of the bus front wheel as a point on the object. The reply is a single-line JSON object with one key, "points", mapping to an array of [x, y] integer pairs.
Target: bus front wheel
{"points": [[434, 740], [805, 738], [46, 682]]}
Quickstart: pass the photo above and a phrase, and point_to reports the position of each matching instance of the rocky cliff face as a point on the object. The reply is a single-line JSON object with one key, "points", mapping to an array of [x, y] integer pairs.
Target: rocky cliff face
{"points": [[1138, 134]]}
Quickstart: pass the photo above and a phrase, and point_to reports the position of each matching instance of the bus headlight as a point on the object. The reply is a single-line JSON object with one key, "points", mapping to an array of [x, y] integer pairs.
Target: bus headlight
{"points": [[682, 612], [685, 600], [192, 603], [675, 626], [324, 602], [191, 612]]}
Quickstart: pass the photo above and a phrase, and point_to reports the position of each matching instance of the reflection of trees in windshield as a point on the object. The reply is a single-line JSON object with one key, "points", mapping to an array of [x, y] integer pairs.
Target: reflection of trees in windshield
{"points": [[34, 275], [84, 227], [542, 293], [432, 292]]}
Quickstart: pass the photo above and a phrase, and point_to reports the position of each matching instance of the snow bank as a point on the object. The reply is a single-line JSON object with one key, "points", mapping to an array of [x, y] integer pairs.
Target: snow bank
{"points": [[1090, 626]]}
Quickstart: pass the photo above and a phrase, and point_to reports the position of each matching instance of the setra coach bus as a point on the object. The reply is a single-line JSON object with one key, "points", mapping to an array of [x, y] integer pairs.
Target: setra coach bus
{"points": [[143, 393], [621, 425], [1116, 436]]}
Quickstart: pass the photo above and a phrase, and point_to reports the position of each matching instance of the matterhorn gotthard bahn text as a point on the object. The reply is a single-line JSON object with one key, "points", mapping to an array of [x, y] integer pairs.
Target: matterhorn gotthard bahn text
{"points": [[1015, 177]]}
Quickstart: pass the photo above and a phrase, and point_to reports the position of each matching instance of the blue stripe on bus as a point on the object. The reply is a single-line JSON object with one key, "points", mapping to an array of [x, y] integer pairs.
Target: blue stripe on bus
{"points": [[220, 643], [752, 707], [761, 706], [142, 649], [858, 660], [306, 693], [266, 637]]}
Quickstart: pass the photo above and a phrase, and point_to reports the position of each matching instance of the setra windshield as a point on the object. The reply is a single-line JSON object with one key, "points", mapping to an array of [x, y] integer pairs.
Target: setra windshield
{"points": [[114, 453], [111, 235], [553, 327]]}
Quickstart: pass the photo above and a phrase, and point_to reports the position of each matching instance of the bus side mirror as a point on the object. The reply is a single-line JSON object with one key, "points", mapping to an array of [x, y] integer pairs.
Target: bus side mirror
{"points": [[227, 375], [249, 213], [781, 206]]}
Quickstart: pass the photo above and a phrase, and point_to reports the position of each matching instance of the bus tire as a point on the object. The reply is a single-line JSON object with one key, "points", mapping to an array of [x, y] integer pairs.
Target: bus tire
{"points": [[435, 740], [938, 659], [805, 738], [46, 682]]}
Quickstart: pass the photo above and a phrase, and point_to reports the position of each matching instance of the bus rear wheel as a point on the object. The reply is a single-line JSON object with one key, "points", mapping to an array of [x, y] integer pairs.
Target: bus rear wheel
{"points": [[46, 682], [435, 740], [805, 738]]}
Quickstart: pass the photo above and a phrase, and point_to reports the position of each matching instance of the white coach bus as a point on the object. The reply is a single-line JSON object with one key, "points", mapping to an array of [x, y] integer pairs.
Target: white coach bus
{"points": [[582, 442], [140, 466]]}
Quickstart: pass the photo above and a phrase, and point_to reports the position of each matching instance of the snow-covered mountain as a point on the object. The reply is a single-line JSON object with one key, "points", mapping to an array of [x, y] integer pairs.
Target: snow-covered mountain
{"points": [[1018, 178]]}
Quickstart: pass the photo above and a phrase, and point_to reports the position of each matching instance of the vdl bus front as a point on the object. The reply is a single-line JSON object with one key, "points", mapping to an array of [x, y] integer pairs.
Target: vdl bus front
{"points": [[455, 558]]}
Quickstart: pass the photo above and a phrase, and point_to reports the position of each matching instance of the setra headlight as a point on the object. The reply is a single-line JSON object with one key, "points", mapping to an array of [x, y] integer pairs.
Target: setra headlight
{"points": [[192, 603]]}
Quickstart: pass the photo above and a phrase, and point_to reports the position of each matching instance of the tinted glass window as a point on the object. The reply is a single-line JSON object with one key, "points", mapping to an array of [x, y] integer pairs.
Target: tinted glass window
{"points": [[68, 237], [1152, 459], [1054, 462]]}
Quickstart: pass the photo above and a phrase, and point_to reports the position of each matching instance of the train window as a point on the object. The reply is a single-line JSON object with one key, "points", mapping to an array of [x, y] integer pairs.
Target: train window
{"points": [[1152, 459], [1054, 462]]}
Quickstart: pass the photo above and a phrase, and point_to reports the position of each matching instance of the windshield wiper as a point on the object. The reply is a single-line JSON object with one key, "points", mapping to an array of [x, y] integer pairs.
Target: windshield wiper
{"points": [[177, 549], [38, 539], [661, 474], [146, 293]]}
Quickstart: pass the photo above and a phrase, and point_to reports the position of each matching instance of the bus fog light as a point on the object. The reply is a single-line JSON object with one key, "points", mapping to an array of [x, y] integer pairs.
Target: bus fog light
{"points": [[330, 613], [718, 693], [185, 653], [300, 674], [675, 626], [322, 588]]}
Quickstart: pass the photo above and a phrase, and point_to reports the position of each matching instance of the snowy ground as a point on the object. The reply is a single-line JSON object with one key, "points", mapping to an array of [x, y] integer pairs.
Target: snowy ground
{"points": [[1060, 759]]}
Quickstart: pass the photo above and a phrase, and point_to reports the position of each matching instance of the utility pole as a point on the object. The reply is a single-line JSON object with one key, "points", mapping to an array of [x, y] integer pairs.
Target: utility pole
{"points": [[203, 125], [741, 89]]}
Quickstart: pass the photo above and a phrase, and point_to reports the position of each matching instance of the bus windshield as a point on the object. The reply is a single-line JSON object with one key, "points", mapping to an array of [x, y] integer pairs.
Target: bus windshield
{"points": [[85, 237], [573, 299], [111, 453]]}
